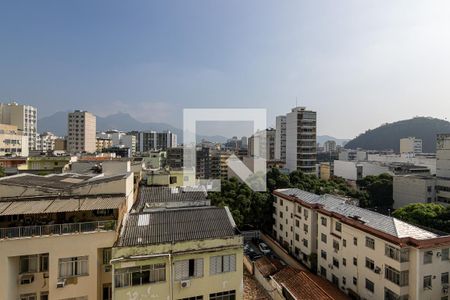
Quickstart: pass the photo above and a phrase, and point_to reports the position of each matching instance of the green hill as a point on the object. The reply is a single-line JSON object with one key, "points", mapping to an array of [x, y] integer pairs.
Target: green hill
{"points": [[388, 136]]}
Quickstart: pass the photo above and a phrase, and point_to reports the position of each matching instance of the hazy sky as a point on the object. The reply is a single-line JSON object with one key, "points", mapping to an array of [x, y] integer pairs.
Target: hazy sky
{"points": [[357, 63]]}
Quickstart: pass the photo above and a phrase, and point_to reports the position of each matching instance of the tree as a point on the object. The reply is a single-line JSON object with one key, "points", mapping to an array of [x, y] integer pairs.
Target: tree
{"points": [[379, 190], [432, 215]]}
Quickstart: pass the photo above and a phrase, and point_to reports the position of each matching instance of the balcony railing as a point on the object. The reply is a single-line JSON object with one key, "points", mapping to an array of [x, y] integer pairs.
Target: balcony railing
{"points": [[56, 229]]}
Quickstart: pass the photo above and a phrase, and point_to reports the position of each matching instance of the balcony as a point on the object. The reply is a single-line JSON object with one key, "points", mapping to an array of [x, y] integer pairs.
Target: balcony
{"points": [[56, 229]]}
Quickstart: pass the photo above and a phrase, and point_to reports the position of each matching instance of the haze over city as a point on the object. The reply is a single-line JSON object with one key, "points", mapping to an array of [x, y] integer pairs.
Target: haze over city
{"points": [[370, 63]]}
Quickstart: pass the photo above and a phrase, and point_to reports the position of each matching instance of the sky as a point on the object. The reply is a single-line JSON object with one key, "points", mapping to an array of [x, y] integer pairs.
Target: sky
{"points": [[359, 64]]}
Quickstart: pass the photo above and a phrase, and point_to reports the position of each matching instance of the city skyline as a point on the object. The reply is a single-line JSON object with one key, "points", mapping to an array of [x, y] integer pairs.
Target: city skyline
{"points": [[375, 64]]}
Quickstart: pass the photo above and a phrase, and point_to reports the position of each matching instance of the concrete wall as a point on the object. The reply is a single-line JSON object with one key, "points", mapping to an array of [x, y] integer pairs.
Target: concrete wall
{"points": [[413, 189]]}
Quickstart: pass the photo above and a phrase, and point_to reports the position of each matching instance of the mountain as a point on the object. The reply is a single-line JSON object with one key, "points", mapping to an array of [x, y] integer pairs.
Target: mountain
{"points": [[321, 139], [57, 123], [388, 136]]}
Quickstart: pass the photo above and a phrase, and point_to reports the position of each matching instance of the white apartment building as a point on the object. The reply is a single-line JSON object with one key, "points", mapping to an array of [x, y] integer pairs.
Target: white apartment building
{"points": [[12, 141], [46, 141], [301, 142], [443, 169], [152, 140], [410, 145], [81, 132], [364, 253], [427, 160], [329, 146], [413, 188], [120, 139], [280, 138], [22, 116]]}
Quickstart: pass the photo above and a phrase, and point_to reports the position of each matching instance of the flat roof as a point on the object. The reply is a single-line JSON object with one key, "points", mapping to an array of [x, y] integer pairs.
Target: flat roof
{"points": [[169, 226]]}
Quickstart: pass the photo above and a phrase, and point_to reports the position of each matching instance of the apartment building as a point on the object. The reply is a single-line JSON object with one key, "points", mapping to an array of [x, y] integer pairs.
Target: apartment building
{"points": [[364, 253], [280, 138], [174, 246], [410, 145], [443, 169], [152, 140], [46, 141], [118, 139], [56, 234], [409, 189], [24, 117], [265, 144], [329, 146], [102, 143], [81, 132], [301, 142], [12, 141]]}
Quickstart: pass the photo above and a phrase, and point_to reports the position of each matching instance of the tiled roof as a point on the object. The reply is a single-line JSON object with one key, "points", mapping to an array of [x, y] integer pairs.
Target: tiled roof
{"points": [[179, 225], [386, 224], [267, 267], [300, 285]]}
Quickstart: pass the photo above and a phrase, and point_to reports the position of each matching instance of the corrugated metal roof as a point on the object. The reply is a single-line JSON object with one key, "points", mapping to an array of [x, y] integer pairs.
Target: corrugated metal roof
{"points": [[175, 226], [164, 195], [102, 203], [64, 205], [26, 207], [4, 205]]}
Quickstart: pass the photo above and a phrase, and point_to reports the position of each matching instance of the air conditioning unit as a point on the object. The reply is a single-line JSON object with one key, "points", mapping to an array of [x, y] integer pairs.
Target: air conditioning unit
{"points": [[26, 279], [377, 270], [185, 283], [61, 283]]}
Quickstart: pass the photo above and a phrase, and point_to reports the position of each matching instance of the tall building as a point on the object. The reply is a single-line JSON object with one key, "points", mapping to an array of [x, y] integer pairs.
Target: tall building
{"points": [[443, 168], [46, 141], [265, 145], [410, 145], [154, 141], [280, 138], [366, 254], [329, 146], [81, 132], [12, 141], [22, 116], [301, 141], [119, 139]]}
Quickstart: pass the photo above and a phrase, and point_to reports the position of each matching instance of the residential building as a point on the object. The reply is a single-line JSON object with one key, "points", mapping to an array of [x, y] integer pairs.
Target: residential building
{"points": [[174, 246], [219, 166], [46, 142], [443, 169], [60, 144], [366, 254], [12, 141], [56, 234], [81, 132], [103, 143], [410, 145], [301, 151], [24, 117], [409, 189], [352, 155], [45, 164], [119, 139], [175, 158], [427, 160], [265, 144], [329, 146], [203, 163], [280, 138], [153, 141]]}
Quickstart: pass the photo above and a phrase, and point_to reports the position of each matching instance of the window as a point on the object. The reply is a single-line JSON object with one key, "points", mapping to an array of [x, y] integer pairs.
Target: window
{"points": [[344, 243], [28, 297], [323, 271], [355, 261], [427, 282], [281, 214], [141, 275], [370, 264], [43, 262], [106, 256], [229, 295], [107, 292], [323, 238], [444, 254], [428, 257], [189, 268], [305, 228], [344, 281], [297, 237], [305, 242], [297, 223], [29, 264], [323, 254], [355, 241], [335, 245], [44, 296], [305, 213], [355, 281], [399, 278], [344, 262], [299, 209], [73, 266], [281, 202], [324, 221], [370, 243], [338, 226], [444, 278], [222, 264], [335, 262], [370, 285]]}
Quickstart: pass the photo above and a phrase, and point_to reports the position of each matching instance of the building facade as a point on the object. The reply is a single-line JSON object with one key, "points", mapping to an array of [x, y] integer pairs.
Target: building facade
{"points": [[12, 141], [24, 117], [46, 141], [443, 169], [409, 189], [155, 141], [81, 132], [410, 145], [280, 138], [365, 254]]}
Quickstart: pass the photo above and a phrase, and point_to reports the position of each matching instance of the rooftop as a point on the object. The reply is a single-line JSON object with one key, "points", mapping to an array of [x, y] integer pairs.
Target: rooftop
{"points": [[170, 226], [380, 222]]}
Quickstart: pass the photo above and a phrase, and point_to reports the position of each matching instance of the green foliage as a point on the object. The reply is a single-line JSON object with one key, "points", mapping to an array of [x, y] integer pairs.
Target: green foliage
{"points": [[379, 191], [431, 215], [2, 171]]}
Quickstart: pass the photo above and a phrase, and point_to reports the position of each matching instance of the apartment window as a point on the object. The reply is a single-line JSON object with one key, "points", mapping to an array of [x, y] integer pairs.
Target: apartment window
{"points": [[297, 237], [107, 291], [44, 296], [344, 262], [355, 241], [281, 226], [281, 214], [396, 254], [427, 282], [344, 281], [228, 295], [222, 264], [370, 286], [444, 254], [355, 261], [305, 242], [189, 268], [299, 209], [335, 262], [393, 275], [323, 271], [43, 262], [355, 281], [141, 275], [29, 264], [335, 245], [28, 297], [428, 257], [444, 278], [370, 243], [370, 264], [297, 223], [305, 213], [323, 238], [281, 202], [106, 256], [344, 243], [323, 254], [324, 221], [338, 226], [73, 266], [305, 228]]}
